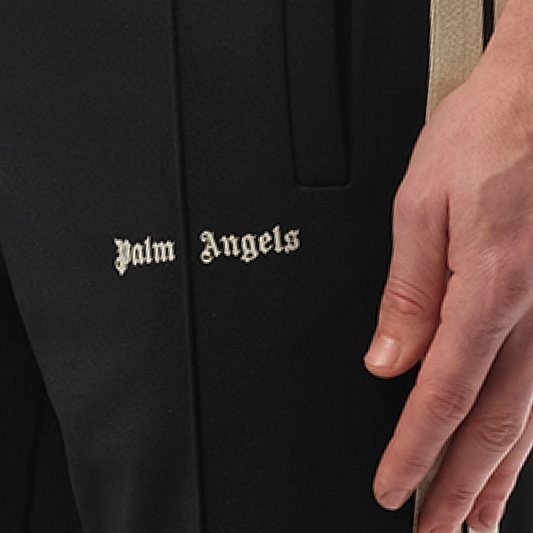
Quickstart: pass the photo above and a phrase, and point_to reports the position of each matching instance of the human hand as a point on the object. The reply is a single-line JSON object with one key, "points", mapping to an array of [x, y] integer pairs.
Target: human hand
{"points": [[460, 294]]}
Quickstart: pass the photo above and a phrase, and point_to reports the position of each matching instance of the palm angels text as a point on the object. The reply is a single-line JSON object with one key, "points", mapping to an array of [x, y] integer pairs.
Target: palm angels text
{"points": [[250, 246], [144, 253]]}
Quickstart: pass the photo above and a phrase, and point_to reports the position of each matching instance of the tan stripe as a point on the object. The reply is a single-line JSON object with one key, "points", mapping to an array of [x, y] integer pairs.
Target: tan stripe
{"points": [[456, 43]]}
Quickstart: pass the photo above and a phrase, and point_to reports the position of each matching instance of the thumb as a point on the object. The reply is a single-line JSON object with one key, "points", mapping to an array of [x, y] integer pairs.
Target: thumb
{"points": [[409, 313]]}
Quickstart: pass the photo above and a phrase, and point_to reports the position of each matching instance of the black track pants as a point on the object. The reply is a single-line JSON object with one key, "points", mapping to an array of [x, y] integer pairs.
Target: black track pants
{"points": [[195, 204]]}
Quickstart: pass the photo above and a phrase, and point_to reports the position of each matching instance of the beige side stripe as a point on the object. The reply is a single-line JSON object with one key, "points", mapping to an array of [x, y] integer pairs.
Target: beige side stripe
{"points": [[456, 45]]}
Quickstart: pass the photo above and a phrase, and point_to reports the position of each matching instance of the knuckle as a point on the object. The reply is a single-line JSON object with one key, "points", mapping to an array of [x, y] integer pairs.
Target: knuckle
{"points": [[508, 281], [497, 433], [413, 200], [449, 403], [415, 464], [403, 201], [503, 477], [406, 299], [515, 287], [484, 334], [500, 484], [459, 499]]}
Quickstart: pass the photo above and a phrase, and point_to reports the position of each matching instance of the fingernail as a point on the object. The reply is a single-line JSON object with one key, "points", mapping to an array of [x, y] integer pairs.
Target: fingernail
{"points": [[393, 499], [490, 514], [384, 351]]}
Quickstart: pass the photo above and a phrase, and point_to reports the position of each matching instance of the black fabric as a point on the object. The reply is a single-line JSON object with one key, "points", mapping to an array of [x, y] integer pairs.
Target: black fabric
{"points": [[220, 390], [35, 490], [88, 155], [52, 506]]}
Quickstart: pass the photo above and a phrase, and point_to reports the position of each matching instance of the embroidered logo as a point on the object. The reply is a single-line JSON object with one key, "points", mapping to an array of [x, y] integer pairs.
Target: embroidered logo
{"points": [[144, 253], [248, 247]]}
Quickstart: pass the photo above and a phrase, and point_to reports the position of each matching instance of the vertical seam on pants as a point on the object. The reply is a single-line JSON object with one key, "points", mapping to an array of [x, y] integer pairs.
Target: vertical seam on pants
{"points": [[187, 265], [35, 451], [31, 486]]}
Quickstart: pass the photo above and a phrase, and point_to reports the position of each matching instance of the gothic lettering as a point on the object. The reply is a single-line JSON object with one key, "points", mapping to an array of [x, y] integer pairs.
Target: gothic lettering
{"points": [[143, 253], [248, 247], [211, 250]]}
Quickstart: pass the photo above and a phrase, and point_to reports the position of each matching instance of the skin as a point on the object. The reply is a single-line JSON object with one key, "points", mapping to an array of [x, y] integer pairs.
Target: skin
{"points": [[460, 294]]}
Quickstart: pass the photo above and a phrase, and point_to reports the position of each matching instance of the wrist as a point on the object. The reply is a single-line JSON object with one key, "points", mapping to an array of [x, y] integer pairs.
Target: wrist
{"points": [[511, 46], [503, 80]]}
